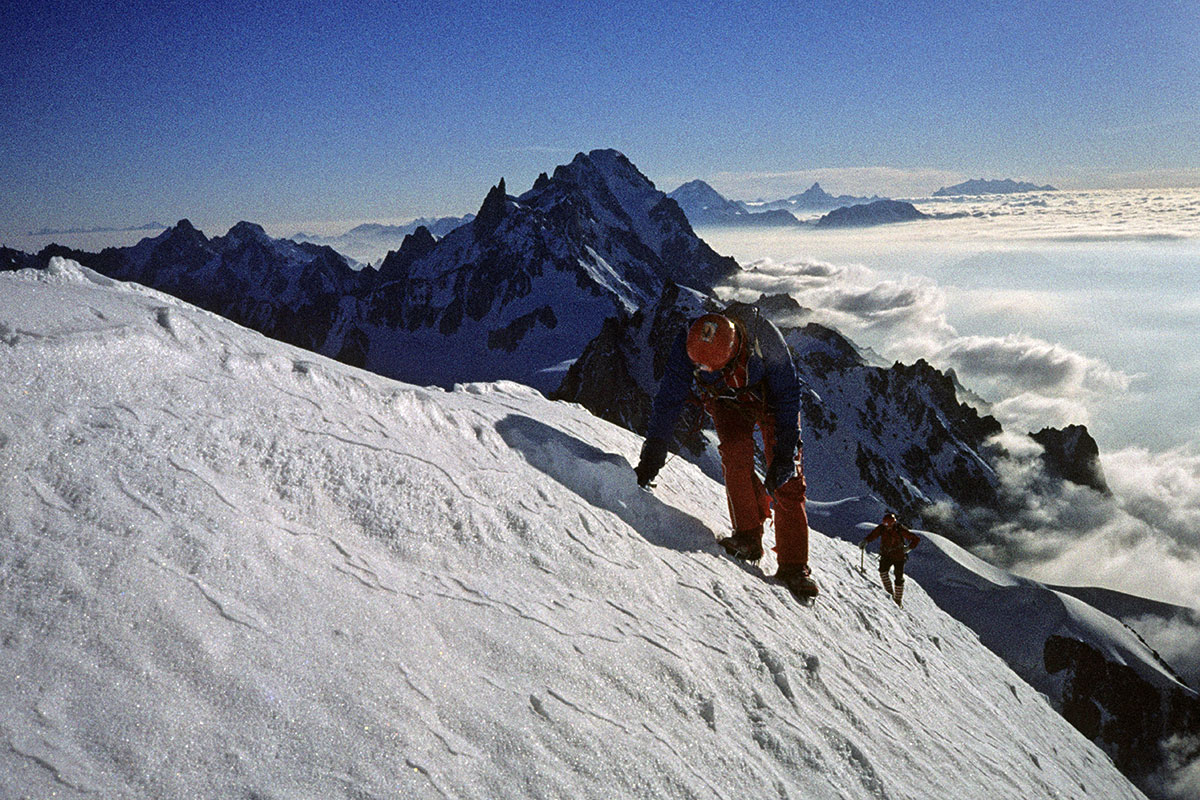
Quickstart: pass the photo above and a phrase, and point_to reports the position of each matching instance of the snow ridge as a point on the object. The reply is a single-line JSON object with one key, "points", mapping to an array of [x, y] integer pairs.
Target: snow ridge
{"points": [[233, 568]]}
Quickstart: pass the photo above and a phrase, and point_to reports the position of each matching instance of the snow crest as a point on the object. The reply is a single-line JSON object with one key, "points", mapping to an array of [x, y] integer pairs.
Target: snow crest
{"points": [[229, 567]]}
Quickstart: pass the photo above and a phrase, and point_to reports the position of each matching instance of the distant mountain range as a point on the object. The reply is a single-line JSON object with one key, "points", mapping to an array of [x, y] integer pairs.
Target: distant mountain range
{"points": [[514, 293], [370, 241], [149, 226], [704, 206], [981, 186], [813, 199]]}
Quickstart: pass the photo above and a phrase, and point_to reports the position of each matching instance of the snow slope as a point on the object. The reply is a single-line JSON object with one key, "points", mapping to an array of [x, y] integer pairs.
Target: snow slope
{"points": [[231, 568], [1014, 616]]}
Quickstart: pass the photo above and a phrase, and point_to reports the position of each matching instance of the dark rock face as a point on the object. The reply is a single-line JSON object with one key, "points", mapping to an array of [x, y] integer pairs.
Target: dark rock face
{"points": [[493, 210], [15, 259], [616, 375], [913, 411], [881, 212], [1109, 704], [1072, 454]]}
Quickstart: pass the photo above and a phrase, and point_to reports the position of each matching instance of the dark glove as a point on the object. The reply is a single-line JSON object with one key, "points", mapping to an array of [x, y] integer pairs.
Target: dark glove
{"points": [[654, 455], [782, 470]]}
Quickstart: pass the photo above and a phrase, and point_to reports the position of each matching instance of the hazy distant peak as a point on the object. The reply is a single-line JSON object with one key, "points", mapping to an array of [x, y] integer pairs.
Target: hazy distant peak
{"points": [[699, 201], [704, 205], [982, 186]]}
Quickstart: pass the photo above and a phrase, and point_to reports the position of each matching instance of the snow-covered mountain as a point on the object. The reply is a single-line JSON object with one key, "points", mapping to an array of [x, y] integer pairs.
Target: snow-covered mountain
{"points": [[704, 205], [232, 568], [520, 292], [298, 292], [515, 294], [981, 186]]}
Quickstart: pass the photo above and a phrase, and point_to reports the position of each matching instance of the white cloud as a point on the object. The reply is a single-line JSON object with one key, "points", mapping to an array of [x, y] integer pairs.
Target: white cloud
{"points": [[1030, 411], [1183, 782], [1163, 491], [1143, 540], [1032, 382], [1034, 365], [1012, 304], [1176, 639]]}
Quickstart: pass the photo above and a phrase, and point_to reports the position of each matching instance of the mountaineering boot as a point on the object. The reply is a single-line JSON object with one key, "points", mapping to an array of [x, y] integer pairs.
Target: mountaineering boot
{"points": [[798, 579], [744, 545], [886, 579], [899, 593]]}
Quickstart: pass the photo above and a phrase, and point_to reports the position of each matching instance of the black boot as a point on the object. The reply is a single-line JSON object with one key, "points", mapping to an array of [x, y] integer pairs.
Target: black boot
{"points": [[744, 545], [798, 579]]}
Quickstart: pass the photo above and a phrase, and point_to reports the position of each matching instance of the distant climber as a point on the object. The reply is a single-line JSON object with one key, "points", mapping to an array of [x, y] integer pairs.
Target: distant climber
{"points": [[738, 366], [895, 542]]}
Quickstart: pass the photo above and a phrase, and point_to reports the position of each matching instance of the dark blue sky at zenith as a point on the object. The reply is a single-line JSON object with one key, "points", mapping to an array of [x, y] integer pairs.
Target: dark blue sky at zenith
{"points": [[117, 113]]}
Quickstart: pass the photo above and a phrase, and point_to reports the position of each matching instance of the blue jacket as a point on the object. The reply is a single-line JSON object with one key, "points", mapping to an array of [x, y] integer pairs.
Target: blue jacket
{"points": [[770, 374]]}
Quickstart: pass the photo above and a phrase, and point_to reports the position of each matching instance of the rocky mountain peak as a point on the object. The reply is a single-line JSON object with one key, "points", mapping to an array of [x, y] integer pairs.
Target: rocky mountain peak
{"points": [[182, 231], [814, 193], [416, 245], [493, 210], [1072, 454], [245, 233]]}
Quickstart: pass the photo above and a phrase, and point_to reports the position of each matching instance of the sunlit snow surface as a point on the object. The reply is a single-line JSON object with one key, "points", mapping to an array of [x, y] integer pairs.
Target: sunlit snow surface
{"points": [[230, 568]]}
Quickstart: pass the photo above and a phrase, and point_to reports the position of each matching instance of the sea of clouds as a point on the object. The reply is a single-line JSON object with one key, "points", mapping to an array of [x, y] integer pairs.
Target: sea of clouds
{"points": [[1145, 538]]}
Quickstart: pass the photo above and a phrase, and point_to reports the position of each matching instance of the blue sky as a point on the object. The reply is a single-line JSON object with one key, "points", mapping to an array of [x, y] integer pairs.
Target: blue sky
{"points": [[119, 113]]}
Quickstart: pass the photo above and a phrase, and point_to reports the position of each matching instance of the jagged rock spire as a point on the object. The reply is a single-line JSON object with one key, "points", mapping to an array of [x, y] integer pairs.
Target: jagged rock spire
{"points": [[493, 210]]}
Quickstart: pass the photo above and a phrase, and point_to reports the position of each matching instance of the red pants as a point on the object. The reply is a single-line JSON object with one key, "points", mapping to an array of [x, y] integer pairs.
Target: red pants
{"points": [[749, 504]]}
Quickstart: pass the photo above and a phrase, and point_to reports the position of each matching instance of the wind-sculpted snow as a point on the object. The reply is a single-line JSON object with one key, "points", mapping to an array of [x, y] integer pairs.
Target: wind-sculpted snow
{"points": [[230, 568], [1090, 664]]}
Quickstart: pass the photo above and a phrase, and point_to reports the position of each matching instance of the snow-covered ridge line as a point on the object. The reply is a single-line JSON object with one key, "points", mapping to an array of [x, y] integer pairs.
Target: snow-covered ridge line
{"points": [[512, 294], [234, 568]]}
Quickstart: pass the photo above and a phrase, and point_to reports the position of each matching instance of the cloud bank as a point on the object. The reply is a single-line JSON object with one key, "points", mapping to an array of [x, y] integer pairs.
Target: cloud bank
{"points": [[1145, 539], [1031, 382], [1142, 540]]}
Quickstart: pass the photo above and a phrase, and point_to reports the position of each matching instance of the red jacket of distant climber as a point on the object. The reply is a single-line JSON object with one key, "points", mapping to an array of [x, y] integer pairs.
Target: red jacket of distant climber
{"points": [[893, 539]]}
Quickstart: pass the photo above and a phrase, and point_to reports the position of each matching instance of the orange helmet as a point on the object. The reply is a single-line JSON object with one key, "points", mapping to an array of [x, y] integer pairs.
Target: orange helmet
{"points": [[712, 342]]}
